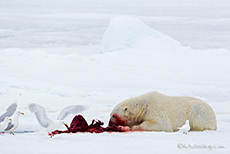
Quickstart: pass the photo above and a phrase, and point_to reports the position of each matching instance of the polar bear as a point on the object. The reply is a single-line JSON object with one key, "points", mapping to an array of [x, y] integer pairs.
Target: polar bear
{"points": [[158, 112]]}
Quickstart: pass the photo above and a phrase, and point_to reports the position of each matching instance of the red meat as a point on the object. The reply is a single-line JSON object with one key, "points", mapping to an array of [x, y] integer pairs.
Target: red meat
{"points": [[79, 124]]}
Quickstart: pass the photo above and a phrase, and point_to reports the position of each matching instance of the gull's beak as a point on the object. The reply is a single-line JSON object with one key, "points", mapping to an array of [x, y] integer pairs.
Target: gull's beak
{"points": [[22, 113], [66, 125], [10, 119]]}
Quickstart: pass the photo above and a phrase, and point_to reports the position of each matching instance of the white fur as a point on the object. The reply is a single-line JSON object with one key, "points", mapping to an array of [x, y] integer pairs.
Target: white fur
{"points": [[158, 112]]}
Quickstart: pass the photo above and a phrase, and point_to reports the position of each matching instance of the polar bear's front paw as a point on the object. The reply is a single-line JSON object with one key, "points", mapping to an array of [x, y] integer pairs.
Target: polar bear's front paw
{"points": [[135, 128], [125, 128]]}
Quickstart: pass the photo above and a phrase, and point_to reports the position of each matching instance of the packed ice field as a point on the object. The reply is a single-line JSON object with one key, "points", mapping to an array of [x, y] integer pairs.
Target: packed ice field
{"points": [[98, 53]]}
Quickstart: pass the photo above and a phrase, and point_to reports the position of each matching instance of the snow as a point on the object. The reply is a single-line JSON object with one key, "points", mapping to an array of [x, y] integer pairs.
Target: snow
{"points": [[98, 53], [122, 34]]}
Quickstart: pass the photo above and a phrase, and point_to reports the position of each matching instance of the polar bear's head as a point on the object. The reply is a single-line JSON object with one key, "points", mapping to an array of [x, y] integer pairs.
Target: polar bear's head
{"points": [[119, 115], [126, 113]]}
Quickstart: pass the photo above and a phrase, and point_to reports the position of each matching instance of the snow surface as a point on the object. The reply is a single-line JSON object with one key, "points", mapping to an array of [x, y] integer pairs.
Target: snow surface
{"points": [[97, 53]]}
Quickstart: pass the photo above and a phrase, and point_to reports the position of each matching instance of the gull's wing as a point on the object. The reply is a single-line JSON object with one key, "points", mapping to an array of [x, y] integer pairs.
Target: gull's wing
{"points": [[9, 126], [71, 109], [9, 112], [41, 115]]}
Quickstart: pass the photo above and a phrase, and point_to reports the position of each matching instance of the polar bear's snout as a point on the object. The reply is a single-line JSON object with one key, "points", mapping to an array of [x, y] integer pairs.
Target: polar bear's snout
{"points": [[116, 120]]}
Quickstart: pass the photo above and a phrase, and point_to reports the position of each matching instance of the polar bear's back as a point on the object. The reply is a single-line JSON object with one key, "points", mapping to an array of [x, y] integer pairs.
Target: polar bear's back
{"points": [[158, 100]]}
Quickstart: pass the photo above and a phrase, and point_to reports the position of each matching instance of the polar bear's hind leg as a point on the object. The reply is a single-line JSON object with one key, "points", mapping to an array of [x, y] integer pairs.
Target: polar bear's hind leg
{"points": [[202, 117]]}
